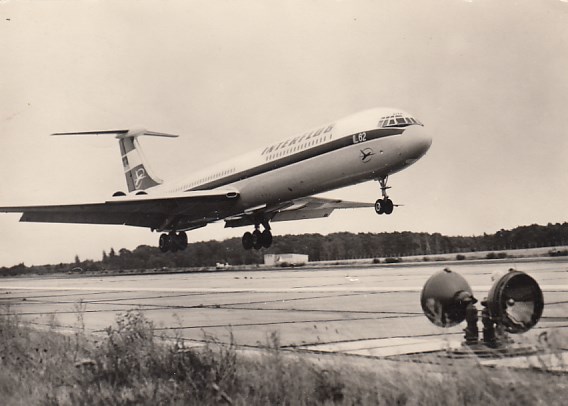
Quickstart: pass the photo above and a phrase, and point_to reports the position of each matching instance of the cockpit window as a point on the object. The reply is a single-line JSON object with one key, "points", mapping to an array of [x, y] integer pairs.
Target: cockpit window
{"points": [[397, 120]]}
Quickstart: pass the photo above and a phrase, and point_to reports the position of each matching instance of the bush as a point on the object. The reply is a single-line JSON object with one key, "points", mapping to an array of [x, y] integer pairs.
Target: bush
{"points": [[392, 260], [133, 366], [558, 253], [285, 264], [460, 257], [498, 255]]}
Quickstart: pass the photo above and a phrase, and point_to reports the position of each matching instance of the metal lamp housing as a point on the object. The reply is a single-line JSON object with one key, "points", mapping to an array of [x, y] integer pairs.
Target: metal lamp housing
{"points": [[515, 301], [445, 297]]}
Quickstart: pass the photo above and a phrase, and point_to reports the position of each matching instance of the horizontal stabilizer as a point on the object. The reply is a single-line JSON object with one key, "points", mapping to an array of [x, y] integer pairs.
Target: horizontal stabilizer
{"points": [[122, 133], [137, 172]]}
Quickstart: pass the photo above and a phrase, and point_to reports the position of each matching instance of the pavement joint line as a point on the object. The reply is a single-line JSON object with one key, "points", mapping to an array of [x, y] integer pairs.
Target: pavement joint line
{"points": [[545, 288]]}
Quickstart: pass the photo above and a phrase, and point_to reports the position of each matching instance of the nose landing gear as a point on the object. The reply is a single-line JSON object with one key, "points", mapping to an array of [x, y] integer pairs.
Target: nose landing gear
{"points": [[384, 205]]}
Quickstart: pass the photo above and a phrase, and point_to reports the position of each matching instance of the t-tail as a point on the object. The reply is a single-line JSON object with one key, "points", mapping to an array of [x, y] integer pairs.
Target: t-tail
{"points": [[138, 174]]}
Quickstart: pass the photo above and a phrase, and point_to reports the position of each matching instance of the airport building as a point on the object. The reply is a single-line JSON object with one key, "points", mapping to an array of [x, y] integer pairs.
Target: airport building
{"points": [[279, 259]]}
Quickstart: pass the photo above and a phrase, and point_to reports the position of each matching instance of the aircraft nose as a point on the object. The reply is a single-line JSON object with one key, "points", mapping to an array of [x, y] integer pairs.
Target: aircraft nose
{"points": [[419, 140]]}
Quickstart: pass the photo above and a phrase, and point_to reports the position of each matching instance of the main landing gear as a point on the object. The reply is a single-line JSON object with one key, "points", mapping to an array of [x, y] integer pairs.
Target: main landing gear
{"points": [[257, 239], [384, 205], [173, 241]]}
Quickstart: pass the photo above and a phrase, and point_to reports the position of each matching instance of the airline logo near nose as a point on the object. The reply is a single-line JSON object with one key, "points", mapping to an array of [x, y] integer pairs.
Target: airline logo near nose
{"points": [[366, 154]]}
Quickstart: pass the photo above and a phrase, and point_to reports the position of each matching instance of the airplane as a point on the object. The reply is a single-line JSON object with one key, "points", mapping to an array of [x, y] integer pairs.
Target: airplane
{"points": [[274, 183]]}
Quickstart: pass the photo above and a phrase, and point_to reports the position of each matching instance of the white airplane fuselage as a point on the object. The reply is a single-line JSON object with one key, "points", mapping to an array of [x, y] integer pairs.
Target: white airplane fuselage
{"points": [[352, 150]]}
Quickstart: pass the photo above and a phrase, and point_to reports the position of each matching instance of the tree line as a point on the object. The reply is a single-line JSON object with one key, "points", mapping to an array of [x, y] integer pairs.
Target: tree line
{"points": [[336, 246]]}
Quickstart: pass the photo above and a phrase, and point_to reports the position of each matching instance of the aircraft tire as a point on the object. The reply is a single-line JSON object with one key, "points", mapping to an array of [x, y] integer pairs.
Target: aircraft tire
{"points": [[247, 241], [379, 206], [174, 241], [181, 240], [388, 206], [266, 238], [164, 243], [256, 239]]}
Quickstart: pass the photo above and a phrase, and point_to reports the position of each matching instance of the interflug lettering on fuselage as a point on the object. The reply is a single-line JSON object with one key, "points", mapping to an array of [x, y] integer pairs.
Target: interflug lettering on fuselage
{"points": [[298, 139]]}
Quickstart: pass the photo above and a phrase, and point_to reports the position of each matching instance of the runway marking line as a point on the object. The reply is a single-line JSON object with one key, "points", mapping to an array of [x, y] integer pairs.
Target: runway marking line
{"points": [[384, 347]]}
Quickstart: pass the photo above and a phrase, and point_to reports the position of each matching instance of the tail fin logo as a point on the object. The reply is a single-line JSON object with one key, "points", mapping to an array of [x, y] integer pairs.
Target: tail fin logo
{"points": [[139, 176]]}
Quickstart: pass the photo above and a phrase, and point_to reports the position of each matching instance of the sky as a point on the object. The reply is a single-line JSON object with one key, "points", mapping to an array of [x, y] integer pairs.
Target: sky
{"points": [[488, 79]]}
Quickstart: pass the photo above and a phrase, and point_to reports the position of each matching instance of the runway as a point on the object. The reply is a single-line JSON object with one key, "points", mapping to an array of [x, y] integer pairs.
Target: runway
{"points": [[371, 311]]}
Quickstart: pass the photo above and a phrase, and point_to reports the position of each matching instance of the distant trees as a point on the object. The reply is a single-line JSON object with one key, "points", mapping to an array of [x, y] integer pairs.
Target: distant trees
{"points": [[339, 246], [336, 246]]}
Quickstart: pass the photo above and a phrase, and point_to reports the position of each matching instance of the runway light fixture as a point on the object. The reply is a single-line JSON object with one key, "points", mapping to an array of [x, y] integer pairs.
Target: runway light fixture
{"points": [[514, 304], [515, 301], [445, 297]]}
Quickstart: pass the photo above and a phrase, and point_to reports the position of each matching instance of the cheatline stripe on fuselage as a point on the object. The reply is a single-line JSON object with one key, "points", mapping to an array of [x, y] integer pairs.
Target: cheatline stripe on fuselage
{"points": [[299, 156]]}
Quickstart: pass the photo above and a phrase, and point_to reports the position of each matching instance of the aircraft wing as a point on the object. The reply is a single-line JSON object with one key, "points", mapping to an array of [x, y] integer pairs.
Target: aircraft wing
{"points": [[183, 211], [299, 209], [315, 207]]}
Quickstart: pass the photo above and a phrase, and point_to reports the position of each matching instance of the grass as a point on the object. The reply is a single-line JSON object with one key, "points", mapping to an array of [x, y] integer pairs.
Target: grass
{"points": [[131, 365]]}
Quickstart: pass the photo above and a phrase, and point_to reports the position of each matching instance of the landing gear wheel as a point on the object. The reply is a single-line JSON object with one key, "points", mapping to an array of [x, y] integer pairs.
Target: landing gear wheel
{"points": [[266, 238], [181, 240], [164, 243], [379, 206], [257, 239], [174, 241], [388, 206], [247, 241]]}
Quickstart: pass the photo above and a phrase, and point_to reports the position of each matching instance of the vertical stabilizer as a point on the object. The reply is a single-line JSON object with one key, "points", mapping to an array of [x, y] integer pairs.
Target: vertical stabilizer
{"points": [[136, 170]]}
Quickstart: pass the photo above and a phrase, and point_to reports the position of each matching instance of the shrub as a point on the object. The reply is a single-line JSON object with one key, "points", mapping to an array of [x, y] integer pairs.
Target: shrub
{"points": [[285, 264], [498, 255], [558, 253], [460, 257], [391, 260]]}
